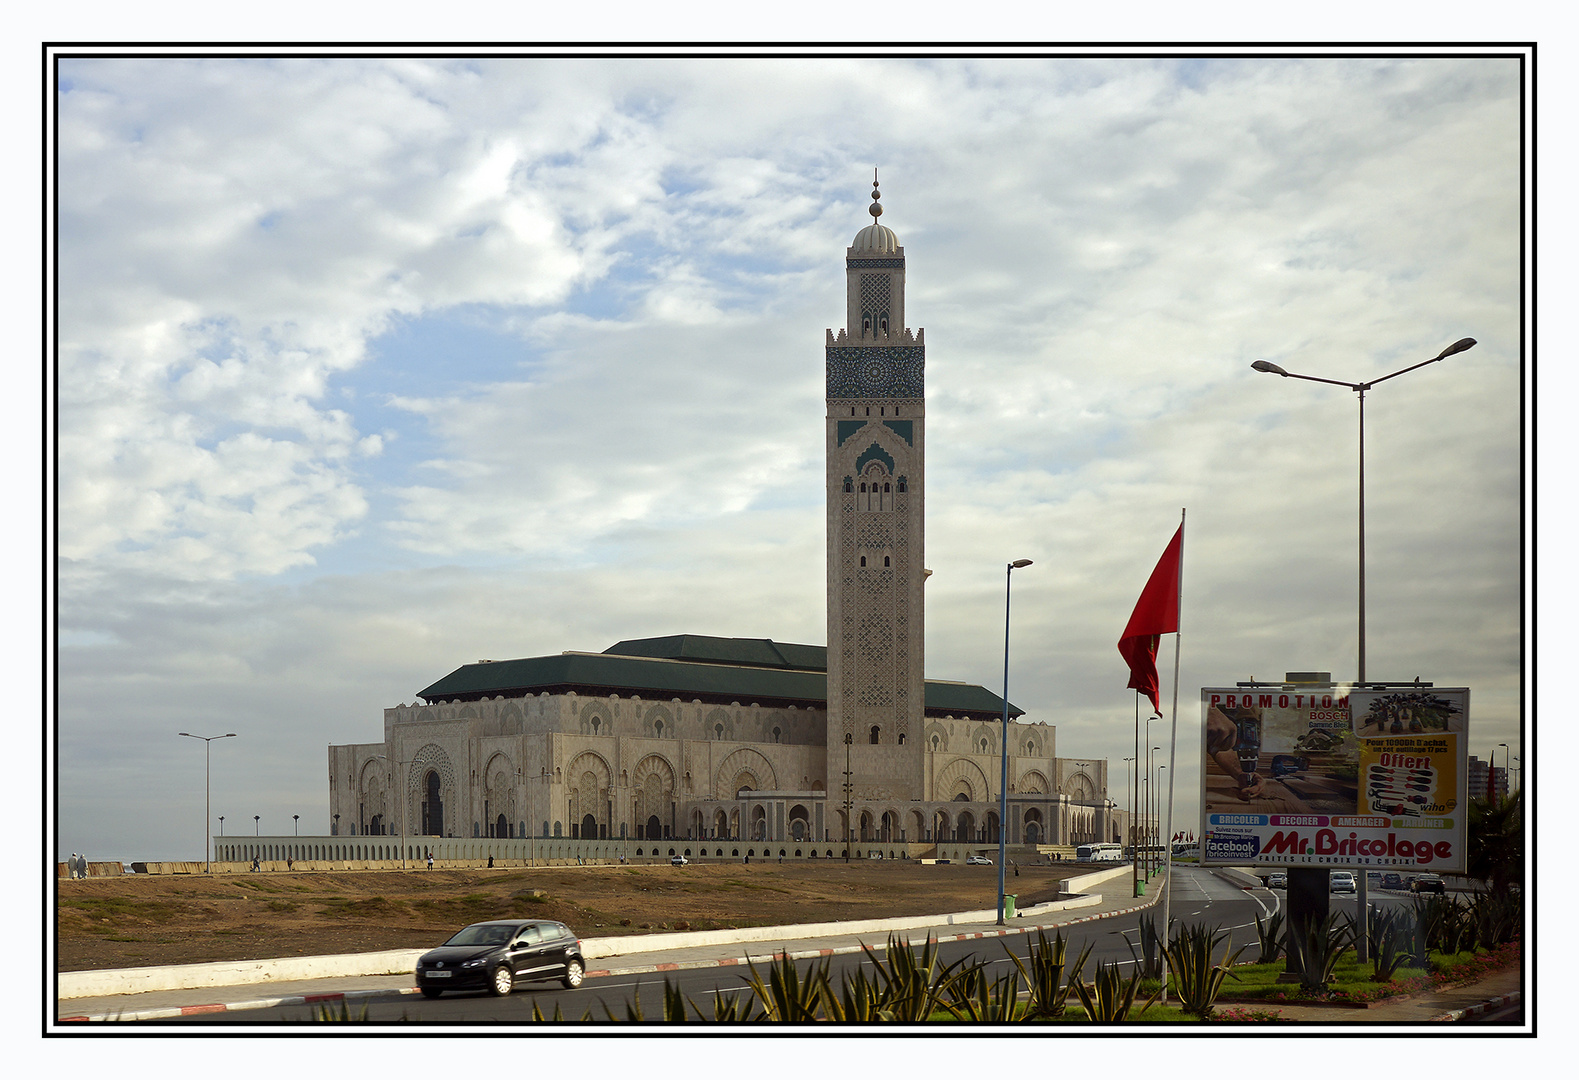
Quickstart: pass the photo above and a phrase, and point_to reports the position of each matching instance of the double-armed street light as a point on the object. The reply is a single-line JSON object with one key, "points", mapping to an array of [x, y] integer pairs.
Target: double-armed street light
{"points": [[1003, 748], [207, 739], [1270, 368]]}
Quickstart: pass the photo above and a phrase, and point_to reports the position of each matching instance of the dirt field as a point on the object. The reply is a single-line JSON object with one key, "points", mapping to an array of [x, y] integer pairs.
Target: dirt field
{"points": [[139, 920]]}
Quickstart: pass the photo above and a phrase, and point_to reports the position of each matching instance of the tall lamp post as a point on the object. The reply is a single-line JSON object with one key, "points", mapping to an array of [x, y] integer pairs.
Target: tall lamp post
{"points": [[1359, 388], [207, 739], [1003, 775], [296, 822], [393, 768], [849, 792]]}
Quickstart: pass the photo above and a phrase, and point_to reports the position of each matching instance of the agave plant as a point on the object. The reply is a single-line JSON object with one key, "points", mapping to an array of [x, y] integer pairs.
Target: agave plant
{"points": [[1390, 944], [1047, 992], [971, 996], [1110, 997], [859, 1000], [911, 986], [1270, 933], [1150, 955], [1320, 948], [786, 996], [1196, 979]]}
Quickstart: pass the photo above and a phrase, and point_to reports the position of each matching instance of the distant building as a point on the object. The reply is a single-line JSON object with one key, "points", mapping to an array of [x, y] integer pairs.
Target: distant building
{"points": [[790, 747], [1486, 779]]}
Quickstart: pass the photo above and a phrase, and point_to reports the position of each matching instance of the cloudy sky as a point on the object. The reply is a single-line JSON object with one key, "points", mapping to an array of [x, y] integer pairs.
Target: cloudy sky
{"points": [[370, 368]]}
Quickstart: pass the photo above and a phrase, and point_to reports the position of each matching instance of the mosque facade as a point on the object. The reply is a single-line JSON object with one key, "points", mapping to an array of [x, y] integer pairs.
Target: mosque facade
{"points": [[710, 746]]}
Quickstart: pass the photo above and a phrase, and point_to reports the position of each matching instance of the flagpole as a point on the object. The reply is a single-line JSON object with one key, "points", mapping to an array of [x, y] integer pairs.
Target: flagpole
{"points": [[1134, 804], [1173, 766]]}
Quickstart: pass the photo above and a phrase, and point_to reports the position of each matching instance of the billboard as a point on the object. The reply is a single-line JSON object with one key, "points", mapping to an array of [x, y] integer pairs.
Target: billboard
{"points": [[1334, 777]]}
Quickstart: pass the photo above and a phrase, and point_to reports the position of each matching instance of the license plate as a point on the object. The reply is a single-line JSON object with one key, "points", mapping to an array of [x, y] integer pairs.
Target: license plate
{"points": [[438, 974]]}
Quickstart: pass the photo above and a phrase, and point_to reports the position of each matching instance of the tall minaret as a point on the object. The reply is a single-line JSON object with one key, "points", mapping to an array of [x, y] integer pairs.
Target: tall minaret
{"points": [[876, 451]]}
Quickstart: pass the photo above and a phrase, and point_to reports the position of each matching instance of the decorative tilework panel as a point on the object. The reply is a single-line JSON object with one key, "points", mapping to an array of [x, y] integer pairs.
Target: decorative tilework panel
{"points": [[886, 371]]}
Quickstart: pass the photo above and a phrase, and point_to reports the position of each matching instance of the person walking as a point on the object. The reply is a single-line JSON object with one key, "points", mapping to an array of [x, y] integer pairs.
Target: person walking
{"points": [[430, 858]]}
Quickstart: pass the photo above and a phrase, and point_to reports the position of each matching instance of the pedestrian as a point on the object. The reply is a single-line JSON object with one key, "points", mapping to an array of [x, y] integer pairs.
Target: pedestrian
{"points": [[430, 858], [254, 864], [288, 861], [490, 862]]}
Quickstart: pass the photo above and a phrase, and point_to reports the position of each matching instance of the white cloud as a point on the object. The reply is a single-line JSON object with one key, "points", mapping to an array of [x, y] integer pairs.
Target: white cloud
{"points": [[1097, 248]]}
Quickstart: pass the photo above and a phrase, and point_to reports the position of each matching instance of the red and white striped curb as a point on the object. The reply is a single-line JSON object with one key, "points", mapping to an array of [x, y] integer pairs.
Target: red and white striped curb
{"points": [[175, 1012], [1483, 1007]]}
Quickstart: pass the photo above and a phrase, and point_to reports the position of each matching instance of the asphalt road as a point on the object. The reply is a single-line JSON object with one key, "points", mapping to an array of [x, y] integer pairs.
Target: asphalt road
{"points": [[1198, 896]]}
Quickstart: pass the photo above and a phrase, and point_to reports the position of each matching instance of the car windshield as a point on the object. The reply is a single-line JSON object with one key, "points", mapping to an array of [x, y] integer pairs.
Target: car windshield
{"points": [[482, 934]]}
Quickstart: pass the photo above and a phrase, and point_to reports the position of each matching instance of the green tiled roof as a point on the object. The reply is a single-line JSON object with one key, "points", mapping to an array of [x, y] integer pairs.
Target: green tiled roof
{"points": [[690, 666]]}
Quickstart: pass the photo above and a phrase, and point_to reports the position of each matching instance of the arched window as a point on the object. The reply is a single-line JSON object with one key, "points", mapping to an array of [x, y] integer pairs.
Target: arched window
{"points": [[886, 561], [863, 560], [875, 730]]}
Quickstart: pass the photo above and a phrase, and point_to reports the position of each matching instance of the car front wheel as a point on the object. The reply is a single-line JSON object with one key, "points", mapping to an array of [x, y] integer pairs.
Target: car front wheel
{"points": [[431, 992], [573, 974], [503, 981]]}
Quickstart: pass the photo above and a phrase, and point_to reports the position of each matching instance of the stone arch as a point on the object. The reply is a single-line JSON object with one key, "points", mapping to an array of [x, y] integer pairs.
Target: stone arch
{"points": [[587, 780], [961, 777], [745, 768], [373, 795], [718, 724], [431, 759], [1032, 782], [652, 790], [659, 723], [935, 737], [499, 789], [595, 719], [1079, 788]]}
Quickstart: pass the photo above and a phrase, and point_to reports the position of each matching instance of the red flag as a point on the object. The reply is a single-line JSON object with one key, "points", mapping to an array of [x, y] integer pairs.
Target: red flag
{"points": [[1156, 613]]}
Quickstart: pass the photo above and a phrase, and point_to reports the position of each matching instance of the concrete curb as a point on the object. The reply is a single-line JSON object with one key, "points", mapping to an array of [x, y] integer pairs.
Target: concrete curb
{"points": [[1483, 1007]]}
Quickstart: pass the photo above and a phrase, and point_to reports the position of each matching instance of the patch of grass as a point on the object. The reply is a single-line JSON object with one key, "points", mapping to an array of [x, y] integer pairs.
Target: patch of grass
{"points": [[374, 907], [118, 937], [116, 907], [1352, 980], [283, 906]]}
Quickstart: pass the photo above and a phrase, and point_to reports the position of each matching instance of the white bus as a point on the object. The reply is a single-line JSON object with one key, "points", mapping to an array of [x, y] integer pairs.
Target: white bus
{"points": [[1099, 853]]}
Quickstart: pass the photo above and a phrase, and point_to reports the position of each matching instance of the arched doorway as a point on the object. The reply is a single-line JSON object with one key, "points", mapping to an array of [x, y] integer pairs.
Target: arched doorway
{"points": [[375, 824], [589, 828], [501, 826], [432, 807], [654, 828], [965, 831]]}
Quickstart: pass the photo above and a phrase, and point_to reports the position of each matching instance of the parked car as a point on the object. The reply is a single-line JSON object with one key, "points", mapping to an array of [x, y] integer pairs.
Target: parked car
{"points": [[977, 860], [1278, 880], [678, 860], [1427, 883], [1392, 881], [1341, 881], [494, 956]]}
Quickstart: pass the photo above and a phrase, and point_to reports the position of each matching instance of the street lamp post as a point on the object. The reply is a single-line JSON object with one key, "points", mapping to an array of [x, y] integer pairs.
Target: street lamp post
{"points": [[296, 821], [257, 828], [849, 792], [1156, 797], [1003, 775], [1359, 388], [207, 739], [221, 824], [1129, 789], [401, 815]]}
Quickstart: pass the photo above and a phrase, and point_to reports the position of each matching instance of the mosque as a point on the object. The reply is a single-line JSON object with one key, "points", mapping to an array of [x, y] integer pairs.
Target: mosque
{"points": [[733, 747]]}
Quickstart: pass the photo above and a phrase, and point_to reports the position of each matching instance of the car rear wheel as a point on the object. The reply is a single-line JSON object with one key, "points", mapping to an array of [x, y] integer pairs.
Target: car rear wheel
{"points": [[431, 992], [573, 974], [503, 981]]}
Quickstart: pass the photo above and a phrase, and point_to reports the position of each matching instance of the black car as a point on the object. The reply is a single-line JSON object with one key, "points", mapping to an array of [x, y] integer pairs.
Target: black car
{"points": [[1422, 883], [494, 956]]}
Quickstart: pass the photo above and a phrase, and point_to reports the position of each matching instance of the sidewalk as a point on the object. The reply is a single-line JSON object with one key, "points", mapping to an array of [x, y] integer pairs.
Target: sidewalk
{"points": [[1450, 1003]]}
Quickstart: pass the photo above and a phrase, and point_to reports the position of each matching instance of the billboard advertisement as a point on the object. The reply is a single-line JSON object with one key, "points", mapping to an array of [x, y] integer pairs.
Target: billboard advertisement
{"points": [[1334, 777]]}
